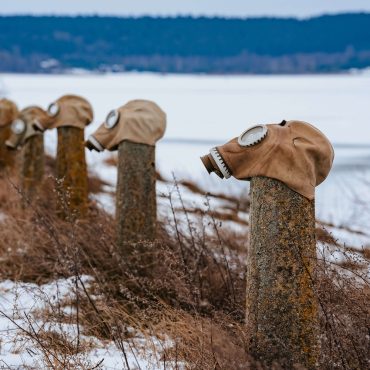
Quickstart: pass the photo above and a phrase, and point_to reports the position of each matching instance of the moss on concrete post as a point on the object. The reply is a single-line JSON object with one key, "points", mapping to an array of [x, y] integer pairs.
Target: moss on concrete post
{"points": [[136, 210], [281, 308], [72, 184], [32, 166], [7, 157]]}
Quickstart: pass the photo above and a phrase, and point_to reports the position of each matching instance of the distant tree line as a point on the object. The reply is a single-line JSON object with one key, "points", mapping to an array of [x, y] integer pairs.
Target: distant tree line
{"points": [[185, 44]]}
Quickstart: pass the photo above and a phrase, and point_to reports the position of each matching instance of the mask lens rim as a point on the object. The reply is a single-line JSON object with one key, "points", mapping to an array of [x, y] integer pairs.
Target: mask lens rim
{"points": [[256, 139], [112, 119], [53, 109], [18, 126]]}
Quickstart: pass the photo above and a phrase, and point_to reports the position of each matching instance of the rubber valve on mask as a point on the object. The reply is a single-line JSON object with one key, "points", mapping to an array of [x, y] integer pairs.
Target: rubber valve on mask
{"points": [[92, 144], [213, 162]]}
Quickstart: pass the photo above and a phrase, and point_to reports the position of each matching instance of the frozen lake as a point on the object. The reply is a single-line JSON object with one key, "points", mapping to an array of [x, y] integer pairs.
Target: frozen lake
{"points": [[204, 111]]}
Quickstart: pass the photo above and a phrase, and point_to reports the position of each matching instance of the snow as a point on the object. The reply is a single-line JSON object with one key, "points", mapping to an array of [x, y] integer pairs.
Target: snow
{"points": [[215, 107], [20, 304], [202, 111]]}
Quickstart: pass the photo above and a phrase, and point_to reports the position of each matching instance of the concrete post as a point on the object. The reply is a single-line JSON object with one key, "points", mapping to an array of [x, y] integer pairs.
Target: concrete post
{"points": [[136, 209], [70, 114], [7, 157], [133, 130], [72, 185], [32, 166], [281, 308]]}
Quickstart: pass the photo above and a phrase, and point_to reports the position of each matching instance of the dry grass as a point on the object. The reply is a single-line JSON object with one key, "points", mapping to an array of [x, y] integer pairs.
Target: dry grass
{"points": [[188, 286]]}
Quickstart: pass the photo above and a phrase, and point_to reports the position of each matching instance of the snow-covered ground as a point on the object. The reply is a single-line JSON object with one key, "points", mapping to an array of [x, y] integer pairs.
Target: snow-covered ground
{"points": [[208, 110], [23, 321], [204, 111]]}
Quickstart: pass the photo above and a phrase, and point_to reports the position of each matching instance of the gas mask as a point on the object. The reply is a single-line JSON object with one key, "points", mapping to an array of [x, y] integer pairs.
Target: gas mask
{"points": [[68, 111], [25, 126], [8, 112], [293, 152], [139, 121]]}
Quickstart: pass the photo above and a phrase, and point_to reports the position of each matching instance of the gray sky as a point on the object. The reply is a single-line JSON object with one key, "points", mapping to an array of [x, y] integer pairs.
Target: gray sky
{"points": [[239, 8]]}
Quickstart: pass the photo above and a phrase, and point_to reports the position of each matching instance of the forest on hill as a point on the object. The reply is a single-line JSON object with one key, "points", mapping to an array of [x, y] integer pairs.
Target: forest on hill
{"points": [[184, 44]]}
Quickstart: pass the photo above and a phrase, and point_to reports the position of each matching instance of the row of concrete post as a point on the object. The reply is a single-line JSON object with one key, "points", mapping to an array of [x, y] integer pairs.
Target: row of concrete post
{"points": [[282, 311]]}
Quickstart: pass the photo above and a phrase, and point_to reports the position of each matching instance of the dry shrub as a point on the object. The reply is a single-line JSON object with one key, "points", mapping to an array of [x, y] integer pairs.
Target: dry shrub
{"points": [[188, 287], [343, 293]]}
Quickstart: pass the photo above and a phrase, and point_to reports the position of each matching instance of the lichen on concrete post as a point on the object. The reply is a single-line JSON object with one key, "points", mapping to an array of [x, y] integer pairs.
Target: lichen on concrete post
{"points": [[25, 135], [281, 307], [8, 113], [136, 210], [70, 114], [71, 174], [6, 156], [133, 130], [285, 162], [32, 166]]}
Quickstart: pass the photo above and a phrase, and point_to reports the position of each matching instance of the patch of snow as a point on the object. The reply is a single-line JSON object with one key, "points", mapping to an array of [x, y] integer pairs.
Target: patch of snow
{"points": [[20, 306]]}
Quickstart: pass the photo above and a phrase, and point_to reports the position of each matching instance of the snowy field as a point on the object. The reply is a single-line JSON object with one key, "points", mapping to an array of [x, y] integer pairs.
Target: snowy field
{"points": [[204, 111]]}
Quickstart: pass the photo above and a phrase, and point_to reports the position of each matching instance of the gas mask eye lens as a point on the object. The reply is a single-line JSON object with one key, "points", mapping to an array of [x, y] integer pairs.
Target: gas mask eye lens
{"points": [[18, 126], [112, 119], [53, 109], [252, 136]]}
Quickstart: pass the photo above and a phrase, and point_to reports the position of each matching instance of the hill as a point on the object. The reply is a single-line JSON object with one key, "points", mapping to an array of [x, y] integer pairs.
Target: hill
{"points": [[185, 44]]}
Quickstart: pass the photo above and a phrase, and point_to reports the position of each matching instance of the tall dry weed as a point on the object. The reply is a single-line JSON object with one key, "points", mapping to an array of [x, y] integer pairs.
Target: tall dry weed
{"points": [[187, 288]]}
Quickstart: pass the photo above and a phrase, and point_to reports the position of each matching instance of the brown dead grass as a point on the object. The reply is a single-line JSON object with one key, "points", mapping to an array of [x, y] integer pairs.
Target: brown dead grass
{"points": [[189, 287]]}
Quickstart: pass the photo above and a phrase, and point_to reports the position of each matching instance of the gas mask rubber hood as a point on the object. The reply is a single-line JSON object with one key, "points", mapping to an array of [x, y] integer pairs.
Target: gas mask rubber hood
{"points": [[68, 111], [8, 112], [293, 152], [138, 121], [25, 126]]}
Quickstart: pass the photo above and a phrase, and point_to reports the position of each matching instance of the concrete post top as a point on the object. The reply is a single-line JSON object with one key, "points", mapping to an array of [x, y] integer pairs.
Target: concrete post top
{"points": [[138, 121], [8, 112], [26, 125], [294, 152], [69, 111]]}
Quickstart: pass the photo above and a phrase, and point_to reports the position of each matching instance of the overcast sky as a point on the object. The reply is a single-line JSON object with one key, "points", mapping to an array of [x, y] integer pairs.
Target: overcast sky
{"points": [[239, 8]]}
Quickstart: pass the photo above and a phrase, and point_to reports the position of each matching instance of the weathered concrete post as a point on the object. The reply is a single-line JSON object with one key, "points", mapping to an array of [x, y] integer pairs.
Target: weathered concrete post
{"points": [[136, 205], [282, 312], [8, 113], [25, 135], [284, 163], [133, 129], [70, 114]]}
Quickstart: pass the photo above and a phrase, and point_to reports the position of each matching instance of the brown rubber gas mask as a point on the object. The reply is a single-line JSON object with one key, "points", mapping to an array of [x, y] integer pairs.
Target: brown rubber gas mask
{"points": [[26, 126], [68, 111], [293, 152], [138, 121], [8, 112]]}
